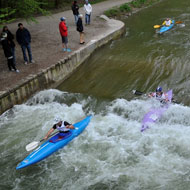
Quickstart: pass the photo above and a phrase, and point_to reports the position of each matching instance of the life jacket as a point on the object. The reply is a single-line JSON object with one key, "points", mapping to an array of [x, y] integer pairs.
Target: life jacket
{"points": [[160, 97], [167, 22], [62, 128]]}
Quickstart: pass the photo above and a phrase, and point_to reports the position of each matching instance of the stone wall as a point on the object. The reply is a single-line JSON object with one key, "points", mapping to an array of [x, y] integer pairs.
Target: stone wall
{"points": [[56, 74]]}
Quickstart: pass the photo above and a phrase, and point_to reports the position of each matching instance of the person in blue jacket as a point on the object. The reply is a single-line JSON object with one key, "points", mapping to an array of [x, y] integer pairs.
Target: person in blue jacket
{"points": [[24, 39]]}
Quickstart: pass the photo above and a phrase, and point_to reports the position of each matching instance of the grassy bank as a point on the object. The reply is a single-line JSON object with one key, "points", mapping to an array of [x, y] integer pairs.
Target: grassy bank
{"points": [[127, 8]]}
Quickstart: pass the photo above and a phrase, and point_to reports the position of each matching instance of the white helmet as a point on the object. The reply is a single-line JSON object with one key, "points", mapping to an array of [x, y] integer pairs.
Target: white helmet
{"points": [[57, 120]]}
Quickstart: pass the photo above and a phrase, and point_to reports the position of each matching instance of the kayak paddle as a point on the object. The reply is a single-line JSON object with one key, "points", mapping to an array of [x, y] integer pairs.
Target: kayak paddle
{"points": [[157, 26], [177, 22], [35, 144], [139, 93]]}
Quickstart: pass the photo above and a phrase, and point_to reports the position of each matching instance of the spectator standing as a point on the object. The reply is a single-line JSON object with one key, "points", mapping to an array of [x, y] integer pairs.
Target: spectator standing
{"points": [[8, 52], [24, 39], [88, 11], [10, 38], [64, 33], [80, 29], [75, 9]]}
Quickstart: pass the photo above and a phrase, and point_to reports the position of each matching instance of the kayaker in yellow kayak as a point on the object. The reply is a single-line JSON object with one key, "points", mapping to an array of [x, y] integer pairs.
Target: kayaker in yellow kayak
{"points": [[167, 22]]}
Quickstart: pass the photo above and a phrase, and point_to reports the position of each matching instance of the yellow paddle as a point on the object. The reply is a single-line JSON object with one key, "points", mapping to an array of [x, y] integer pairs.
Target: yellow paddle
{"points": [[157, 26], [177, 22]]}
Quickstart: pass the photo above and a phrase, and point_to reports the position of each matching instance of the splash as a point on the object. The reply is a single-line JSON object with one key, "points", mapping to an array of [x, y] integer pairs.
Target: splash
{"points": [[111, 152]]}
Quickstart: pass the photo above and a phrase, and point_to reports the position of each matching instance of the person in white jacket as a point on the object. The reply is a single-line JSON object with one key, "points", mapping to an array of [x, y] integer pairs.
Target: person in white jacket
{"points": [[88, 11]]}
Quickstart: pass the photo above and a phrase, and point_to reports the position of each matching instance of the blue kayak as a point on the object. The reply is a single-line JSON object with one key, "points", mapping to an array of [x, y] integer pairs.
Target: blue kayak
{"points": [[166, 28], [53, 144]]}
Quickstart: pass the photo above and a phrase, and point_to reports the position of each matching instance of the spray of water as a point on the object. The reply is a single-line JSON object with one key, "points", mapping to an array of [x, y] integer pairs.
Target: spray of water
{"points": [[111, 153]]}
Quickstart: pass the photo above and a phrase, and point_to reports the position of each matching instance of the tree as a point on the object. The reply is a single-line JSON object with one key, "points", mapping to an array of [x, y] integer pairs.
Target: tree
{"points": [[28, 8], [56, 3], [11, 9], [5, 15]]}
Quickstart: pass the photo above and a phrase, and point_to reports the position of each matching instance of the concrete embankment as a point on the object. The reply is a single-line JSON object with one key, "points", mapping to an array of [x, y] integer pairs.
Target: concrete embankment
{"points": [[52, 76]]}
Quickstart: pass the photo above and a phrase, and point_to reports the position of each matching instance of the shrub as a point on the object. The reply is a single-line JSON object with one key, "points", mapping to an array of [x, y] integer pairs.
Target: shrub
{"points": [[136, 4], [125, 8], [142, 1], [112, 12]]}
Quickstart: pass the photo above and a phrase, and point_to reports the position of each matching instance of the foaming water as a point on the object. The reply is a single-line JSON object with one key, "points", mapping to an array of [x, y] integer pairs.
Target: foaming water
{"points": [[111, 153]]}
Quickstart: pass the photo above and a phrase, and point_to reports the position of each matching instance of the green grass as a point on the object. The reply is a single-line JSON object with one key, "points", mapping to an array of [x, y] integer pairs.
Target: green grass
{"points": [[128, 7], [125, 8], [112, 12], [139, 3], [97, 1]]}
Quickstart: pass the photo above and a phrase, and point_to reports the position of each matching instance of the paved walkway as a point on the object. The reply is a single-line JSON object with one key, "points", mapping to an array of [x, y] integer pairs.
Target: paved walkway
{"points": [[46, 42]]}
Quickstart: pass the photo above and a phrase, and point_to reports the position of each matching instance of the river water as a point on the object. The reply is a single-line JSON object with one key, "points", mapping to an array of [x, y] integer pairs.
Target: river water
{"points": [[112, 153]]}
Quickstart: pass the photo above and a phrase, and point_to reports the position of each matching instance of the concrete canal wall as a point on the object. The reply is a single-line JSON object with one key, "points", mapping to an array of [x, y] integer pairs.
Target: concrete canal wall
{"points": [[51, 77]]}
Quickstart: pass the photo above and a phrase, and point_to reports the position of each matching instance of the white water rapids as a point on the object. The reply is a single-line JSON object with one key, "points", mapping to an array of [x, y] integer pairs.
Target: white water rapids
{"points": [[111, 153]]}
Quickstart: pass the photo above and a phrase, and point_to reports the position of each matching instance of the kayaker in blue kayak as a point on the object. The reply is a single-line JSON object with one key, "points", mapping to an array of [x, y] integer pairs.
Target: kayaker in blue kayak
{"points": [[159, 95], [167, 22], [61, 126]]}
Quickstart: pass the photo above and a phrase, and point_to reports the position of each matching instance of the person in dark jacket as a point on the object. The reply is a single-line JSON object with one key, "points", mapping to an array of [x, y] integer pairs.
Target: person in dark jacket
{"points": [[24, 39], [75, 9], [8, 52], [80, 29], [10, 38]]}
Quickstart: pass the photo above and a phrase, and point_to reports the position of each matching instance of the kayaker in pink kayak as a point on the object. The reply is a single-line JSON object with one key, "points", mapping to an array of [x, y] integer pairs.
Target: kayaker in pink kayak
{"points": [[61, 126], [167, 22], [159, 95]]}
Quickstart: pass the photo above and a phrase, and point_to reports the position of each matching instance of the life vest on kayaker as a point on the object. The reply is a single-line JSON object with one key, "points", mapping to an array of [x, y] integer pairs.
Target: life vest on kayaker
{"points": [[63, 128], [162, 97], [159, 95], [167, 22]]}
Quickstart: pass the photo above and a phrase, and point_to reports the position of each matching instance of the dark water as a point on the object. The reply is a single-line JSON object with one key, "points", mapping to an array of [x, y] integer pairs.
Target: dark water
{"points": [[141, 59], [112, 153]]}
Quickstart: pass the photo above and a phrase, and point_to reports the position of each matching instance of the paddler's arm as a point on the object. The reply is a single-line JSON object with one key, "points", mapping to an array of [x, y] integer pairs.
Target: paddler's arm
{"points": [[151, 95], [49, 133], [166, 97], [164, 23], [70, 126]]}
